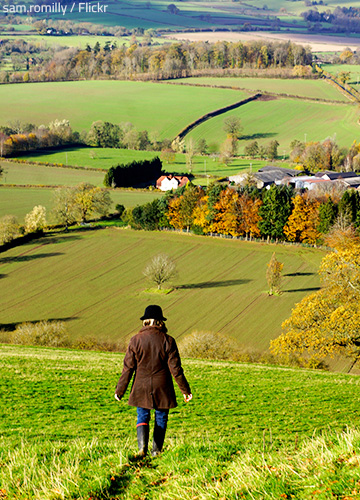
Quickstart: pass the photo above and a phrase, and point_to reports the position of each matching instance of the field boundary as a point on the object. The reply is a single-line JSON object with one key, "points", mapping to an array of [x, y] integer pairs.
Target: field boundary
{"points": [[214, 113], [264, 93]]}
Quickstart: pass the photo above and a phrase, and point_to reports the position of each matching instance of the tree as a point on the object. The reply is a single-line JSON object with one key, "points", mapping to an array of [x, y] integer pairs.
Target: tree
{"points": [[9, 229], [327, 322], [35, 220], [160, 269], [252, 149], [272, 149], [275, 211], [273, 275], [327, 215], [190, 153], [227, 214], [65, 209], [250, 216], [90, 200], [233, 129], [302, 225]]}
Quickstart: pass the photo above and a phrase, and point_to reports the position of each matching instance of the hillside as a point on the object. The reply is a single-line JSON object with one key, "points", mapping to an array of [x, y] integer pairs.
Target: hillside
{"points": [[93, 280], [250, 432]]}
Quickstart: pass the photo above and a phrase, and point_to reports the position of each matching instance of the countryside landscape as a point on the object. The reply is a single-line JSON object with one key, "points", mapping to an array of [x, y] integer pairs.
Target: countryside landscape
{"points": [[221, 140]]}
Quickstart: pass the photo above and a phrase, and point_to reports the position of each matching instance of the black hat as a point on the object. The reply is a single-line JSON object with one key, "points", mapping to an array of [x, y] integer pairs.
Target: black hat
{"points": [[153, 312]]}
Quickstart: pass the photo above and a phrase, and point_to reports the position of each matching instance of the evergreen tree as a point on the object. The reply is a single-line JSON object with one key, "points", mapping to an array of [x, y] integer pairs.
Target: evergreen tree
{"points": [[349, 205], [275, 211], [327, 215]]}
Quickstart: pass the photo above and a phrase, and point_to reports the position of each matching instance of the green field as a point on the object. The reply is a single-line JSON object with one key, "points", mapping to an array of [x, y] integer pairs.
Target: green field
{"points": [[19, 201], [20, 173], [107, 157], [155, 107], [353, 69], [90, 278], [251, 432], [285, 120], [315, 89]]}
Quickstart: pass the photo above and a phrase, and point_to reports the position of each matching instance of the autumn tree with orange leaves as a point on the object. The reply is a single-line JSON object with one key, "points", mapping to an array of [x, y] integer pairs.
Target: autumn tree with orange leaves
{"points": [[227, 214], [303, 222], [250, 215]]}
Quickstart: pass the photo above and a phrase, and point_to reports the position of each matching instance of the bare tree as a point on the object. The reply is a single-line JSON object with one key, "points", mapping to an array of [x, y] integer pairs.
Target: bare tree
{"points": [[160, 269]]}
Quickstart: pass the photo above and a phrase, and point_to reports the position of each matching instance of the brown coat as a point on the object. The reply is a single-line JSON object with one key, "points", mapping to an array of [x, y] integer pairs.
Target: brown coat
{"points": [[154, 357]]}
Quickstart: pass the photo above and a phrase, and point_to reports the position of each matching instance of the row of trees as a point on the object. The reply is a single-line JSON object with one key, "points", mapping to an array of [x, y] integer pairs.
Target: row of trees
{"points": [[72, 204], [17, 137], [278, 213], [160, 62], [126, 175]]}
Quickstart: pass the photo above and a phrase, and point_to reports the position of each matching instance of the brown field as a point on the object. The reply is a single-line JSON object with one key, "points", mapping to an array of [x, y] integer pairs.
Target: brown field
{"points": [[318, 43]]}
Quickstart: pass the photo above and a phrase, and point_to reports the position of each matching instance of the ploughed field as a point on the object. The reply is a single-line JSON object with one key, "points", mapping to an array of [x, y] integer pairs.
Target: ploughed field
{"points": [[93, 281], [251, 431]]}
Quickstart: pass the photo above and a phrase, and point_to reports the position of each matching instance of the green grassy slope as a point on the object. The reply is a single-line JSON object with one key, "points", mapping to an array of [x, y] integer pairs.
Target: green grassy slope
{"points": [[19, 201], [316, 89], [250, 432], [94, 281], [155, 107], [286, 120]]}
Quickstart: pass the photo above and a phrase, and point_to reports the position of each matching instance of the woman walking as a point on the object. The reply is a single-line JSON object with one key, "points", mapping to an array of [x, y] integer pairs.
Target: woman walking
{"points": [[153, 357]]}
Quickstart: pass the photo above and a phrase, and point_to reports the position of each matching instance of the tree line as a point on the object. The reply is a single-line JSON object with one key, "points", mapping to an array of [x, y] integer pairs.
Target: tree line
{"points": [[165, 61], [278, 214]]}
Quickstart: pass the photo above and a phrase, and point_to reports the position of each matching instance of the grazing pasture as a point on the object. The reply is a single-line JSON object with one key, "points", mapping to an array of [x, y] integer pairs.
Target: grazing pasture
{"points": [[90, 278], [250, 432], [315, 89], [165, 109]]}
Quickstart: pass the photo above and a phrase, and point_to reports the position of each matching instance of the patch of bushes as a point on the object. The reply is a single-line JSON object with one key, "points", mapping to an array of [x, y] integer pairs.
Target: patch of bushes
{"points": [[54, 334], [210, 345]]}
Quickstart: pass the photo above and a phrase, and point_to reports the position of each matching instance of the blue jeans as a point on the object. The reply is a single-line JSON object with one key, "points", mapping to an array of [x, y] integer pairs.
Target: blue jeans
{"points": [[161, 417]]}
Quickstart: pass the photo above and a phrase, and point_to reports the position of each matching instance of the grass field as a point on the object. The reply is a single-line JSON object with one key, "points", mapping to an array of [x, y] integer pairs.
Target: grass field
{"points": [[155, 107], [251, 432], [90, 278], [20, 173], [316, 89], [106, 158], [285, 120], [19, 201]]}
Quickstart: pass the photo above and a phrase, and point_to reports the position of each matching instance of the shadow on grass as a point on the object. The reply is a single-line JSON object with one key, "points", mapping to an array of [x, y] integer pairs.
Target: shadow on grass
{"points": [[299, 274], [314, 289], [121, 481], [259, 135], [26, 258], [213, 284], [10, 327]]}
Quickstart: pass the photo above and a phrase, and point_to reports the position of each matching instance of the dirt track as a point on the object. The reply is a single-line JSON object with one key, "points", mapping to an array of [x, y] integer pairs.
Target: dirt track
{"points": [[318, 43]]}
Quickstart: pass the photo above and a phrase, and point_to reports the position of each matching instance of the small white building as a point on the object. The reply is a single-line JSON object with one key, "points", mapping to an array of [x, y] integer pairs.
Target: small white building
{"points": [[168, 182]]}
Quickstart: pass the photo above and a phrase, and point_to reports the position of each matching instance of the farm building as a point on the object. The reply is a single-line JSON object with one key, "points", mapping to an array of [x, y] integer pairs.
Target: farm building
{"points": [[266, 176], [168, 182]]}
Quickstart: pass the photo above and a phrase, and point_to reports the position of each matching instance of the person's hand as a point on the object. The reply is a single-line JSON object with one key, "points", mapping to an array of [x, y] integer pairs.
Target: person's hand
{"points": [[187, 397], [117, 397]]}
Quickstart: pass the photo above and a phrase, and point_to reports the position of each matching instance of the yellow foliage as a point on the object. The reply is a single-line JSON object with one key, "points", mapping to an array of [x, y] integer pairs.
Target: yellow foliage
{"points": [[303, 221], [327, 322]]}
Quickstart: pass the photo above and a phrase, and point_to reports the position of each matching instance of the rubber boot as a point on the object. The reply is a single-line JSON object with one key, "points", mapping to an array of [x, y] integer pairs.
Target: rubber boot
{"points": [[142, 439], [158, 440]]}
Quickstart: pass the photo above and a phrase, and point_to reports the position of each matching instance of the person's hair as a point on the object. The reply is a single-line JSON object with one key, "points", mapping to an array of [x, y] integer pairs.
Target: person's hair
{"points": [[153, 322]]}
